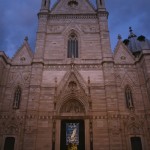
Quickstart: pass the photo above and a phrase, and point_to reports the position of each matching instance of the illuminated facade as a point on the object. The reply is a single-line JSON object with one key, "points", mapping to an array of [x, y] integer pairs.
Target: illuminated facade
{"points": [[74, 92]]}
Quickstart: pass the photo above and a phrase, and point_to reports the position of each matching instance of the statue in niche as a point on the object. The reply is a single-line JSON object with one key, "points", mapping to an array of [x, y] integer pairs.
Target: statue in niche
{"points": [[129, 99]]}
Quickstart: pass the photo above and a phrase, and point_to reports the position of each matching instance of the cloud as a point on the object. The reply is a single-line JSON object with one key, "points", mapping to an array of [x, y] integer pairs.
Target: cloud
{"points": [[124, 14], [19, 19]]}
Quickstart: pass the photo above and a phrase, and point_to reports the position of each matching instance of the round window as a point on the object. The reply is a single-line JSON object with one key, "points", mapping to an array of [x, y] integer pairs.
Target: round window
{"points": [[73, 3]]}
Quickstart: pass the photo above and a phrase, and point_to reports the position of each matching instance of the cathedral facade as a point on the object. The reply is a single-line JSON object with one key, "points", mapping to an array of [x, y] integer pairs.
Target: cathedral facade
{"points": [[73, 92]]}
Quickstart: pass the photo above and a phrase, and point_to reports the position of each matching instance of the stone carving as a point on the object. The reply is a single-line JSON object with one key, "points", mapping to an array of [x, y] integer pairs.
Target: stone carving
{"points": [[72, 106], [26, 77], [134, 129], [30, 130], [90, 29], [115, 130], [55, 29], [19, 77], [72, 85], [12, 129]]}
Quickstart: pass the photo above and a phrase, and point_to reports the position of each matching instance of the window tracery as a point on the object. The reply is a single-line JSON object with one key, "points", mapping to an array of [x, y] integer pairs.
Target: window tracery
{"points": [[17, 98], [72, 46]]}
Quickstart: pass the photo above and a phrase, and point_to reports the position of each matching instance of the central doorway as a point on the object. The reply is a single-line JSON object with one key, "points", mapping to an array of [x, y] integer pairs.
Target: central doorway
{"points": [[72, 135], [136, 143]]}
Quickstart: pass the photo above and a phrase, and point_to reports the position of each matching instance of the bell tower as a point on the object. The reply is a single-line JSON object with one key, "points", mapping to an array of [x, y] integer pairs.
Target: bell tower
{"points": [[41, 33], [104, 32]]}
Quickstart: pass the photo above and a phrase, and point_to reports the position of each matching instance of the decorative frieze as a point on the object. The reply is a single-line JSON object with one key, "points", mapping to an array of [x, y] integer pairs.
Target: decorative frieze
{"points": [[57, 67], [68, 67], [75, 16]]}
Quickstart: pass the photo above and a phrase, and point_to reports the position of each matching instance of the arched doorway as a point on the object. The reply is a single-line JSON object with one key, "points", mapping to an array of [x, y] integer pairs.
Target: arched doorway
{"points": [[72, 126], [72, 134]]}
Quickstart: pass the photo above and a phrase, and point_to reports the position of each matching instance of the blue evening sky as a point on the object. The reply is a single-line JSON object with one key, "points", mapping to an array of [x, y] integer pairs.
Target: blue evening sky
{"points": [[19, 19]]}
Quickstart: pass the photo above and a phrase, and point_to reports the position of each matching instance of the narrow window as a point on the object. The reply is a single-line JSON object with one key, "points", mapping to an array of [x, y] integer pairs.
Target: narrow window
{"points": [[128, 96], [9, 143], [45, 3], [72, 46], [100, 2], [17, 98], [136, 143]]}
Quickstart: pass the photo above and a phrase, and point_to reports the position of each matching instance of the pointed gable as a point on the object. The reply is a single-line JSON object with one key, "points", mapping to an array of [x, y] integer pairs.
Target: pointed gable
{"points": [[72, 77], [122, 55], [24, 55], [73, 7]]}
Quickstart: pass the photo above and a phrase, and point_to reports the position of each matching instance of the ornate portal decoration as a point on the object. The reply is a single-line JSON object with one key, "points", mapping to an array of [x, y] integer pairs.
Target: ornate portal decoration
{"points": [[72, 106]]}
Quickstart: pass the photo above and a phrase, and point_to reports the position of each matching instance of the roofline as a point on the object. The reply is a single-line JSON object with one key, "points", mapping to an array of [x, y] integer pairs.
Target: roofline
{"points": [[57, 2], [5, 57]]}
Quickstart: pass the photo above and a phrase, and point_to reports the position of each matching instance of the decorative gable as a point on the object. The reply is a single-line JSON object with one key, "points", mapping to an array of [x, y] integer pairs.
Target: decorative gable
{"points": [[72, 92], [122, 55], [24, 55], [73, 7], [72, 81]]}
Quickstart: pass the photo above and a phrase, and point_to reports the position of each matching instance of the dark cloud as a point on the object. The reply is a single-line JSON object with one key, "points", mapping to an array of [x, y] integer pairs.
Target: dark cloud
{"points": [[124, 14], [19, 19]]}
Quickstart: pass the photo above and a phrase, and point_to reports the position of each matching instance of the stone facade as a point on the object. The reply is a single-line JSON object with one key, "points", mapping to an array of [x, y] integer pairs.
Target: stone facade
{"points": [[91, 88]]}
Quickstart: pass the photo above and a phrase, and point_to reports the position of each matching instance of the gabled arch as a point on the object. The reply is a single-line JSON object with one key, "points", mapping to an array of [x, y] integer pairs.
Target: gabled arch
{"points": [[127, 80], [72, 76], [135, 129], [72, 29]]}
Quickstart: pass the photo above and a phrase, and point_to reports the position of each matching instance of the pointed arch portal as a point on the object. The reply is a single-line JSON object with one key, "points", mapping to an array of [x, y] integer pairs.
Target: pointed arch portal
{"points": [[72, 129], [72, 135]]}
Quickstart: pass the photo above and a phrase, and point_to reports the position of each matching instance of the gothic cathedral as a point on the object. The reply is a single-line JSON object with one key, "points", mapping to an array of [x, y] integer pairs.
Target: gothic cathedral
{"points": [[73, 92]]}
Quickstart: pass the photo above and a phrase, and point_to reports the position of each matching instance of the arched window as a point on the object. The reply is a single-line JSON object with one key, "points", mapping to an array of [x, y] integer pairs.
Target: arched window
{"points": [[72, 46], [17, 98], [128, 96], [45, 3], [100, 2]]}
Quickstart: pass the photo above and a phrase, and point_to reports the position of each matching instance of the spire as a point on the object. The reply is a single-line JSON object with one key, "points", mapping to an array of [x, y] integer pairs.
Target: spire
{"points": [[131, 33], [26, 39], [119, 37], [100, 5], [45, 5]]}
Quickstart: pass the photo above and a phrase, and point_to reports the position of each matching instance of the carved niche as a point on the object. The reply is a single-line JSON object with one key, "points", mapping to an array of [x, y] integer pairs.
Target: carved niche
{"points": [[72, 106]]}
